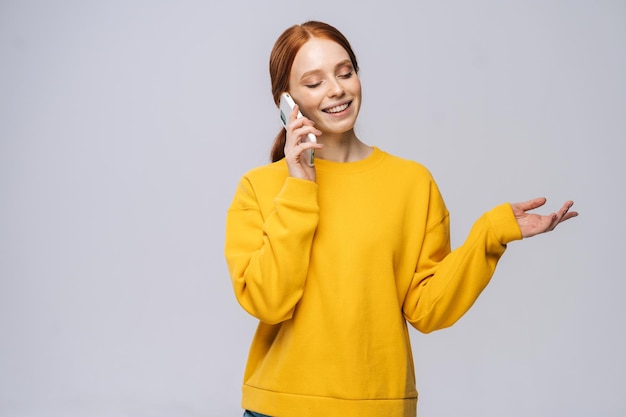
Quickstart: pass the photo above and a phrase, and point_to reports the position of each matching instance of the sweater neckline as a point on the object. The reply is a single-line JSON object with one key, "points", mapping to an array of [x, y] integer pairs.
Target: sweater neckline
{"points": [[367, 163]]}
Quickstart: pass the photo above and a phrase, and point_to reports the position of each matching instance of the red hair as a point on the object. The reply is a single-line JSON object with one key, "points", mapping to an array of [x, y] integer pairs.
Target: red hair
{"points": [[281, 60]]}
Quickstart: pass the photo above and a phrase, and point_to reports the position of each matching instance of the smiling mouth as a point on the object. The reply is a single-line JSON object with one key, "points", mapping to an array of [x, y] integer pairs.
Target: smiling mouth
{"points": [[337, 109]]}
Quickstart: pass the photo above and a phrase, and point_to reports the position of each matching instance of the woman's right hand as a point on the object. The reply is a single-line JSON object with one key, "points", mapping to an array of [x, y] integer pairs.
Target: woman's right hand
{"points": [[296, 144]]}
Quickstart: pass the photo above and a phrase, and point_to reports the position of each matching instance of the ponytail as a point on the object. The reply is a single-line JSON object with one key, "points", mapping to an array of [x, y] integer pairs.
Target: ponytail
{"points": [[278, 149]]}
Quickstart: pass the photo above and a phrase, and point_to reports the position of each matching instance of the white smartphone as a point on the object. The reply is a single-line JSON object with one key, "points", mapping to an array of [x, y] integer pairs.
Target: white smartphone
{"points": [[286, 108]]}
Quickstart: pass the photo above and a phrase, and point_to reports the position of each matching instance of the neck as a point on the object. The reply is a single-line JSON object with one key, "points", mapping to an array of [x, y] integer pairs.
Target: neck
{"points": [[345, 147]]}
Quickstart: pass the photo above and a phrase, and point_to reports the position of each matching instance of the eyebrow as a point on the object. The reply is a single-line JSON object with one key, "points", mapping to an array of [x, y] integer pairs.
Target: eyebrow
{"points": [[315, 71]]}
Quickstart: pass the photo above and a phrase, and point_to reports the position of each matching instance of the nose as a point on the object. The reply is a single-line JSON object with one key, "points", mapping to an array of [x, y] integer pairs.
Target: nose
{"points": [[335, 89]]}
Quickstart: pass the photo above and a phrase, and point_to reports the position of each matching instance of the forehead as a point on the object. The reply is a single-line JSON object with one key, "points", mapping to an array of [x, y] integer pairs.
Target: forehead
{"points": [[318, 54]]}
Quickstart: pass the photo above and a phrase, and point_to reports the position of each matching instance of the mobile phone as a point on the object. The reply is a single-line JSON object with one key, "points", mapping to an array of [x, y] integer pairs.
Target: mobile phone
{"points": [[286, 107]]}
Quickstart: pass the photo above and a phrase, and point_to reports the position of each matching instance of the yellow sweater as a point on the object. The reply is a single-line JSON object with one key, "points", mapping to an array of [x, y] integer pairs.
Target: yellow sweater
{"points": [[335, 269]]}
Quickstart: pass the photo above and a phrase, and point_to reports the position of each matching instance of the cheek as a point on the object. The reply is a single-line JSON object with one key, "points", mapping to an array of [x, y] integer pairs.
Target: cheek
{"points": [[357, 87], [307, 100]]}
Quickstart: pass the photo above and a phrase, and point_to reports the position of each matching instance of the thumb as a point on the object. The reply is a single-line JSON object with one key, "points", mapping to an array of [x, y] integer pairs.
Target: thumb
{"points": [[530, 204]]}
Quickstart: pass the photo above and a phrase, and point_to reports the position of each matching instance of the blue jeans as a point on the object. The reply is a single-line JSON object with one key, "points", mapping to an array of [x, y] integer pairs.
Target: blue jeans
{"points": [[248, 413]]}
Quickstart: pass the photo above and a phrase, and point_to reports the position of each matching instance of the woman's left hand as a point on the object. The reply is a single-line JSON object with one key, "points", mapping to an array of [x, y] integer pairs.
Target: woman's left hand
{"points": [[534, 224]]}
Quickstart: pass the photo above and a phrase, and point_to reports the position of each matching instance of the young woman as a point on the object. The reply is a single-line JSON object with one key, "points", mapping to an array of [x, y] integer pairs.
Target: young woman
{"points": [[335, 259]]}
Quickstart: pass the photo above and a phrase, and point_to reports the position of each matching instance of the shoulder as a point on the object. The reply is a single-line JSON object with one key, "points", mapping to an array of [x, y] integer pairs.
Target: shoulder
{"points": [[264, 181], [273, 171], [408, 167], [415, 178]]}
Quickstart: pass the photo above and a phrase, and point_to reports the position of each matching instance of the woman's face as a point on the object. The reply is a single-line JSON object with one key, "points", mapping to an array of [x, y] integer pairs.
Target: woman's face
{"points": [[325, 85]]}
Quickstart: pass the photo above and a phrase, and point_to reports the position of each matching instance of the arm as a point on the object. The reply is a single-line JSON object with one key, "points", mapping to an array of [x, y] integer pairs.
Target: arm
{"points": [[268, 256], [446, 284]]}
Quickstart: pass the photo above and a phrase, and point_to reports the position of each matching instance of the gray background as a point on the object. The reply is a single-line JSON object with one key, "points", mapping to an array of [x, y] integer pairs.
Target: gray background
{"points": [[125, 126]]}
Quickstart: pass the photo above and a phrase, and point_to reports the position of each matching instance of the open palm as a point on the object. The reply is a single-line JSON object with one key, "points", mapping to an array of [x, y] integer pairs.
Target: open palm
{"points": [[532, 224]]}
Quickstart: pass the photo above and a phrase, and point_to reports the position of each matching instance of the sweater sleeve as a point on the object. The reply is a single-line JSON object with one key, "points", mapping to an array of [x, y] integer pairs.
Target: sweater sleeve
{"points": [[446, 284], [268, 252]]}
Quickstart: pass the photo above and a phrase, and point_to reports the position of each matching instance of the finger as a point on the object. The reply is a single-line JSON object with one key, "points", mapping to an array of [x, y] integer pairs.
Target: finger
{"points": [[298, 149], [554, 221], [567, 205], [295, 135], [302, 132], [310, 145], [569, 215], [530, 204], [294, 116], [535, 203], [564, 213], [294, 113], [302, 146], [299, 123]]}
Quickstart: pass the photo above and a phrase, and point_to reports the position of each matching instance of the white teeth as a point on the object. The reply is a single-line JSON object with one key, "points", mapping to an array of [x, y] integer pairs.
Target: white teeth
{"points": [[338, 109]]}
